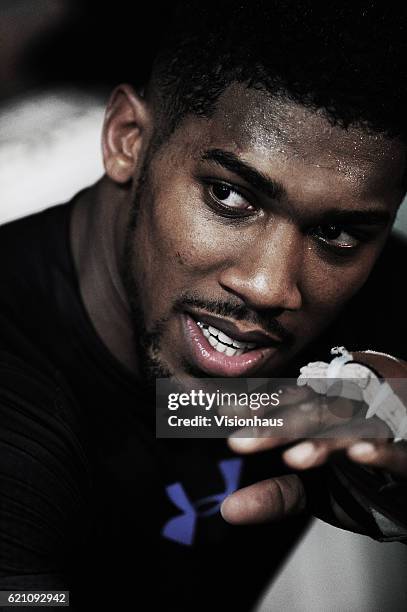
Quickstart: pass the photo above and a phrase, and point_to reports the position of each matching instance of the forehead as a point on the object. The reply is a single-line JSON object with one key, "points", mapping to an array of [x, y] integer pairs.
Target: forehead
{"points": [[254, 118], [278, 135]]}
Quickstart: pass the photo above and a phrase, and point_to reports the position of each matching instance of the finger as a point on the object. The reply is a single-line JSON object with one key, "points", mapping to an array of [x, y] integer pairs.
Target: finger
{"points": [[267, 500], [392, 457], [301, 421], [313, 453], [258, 441], [292, 395]]}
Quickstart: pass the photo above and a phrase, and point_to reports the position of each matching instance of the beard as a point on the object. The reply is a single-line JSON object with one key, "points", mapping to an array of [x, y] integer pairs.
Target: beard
{"points": [[147, 343]]}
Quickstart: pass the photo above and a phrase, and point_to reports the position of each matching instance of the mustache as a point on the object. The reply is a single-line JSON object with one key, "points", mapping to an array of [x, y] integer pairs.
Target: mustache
{"points": [[265, 320]]}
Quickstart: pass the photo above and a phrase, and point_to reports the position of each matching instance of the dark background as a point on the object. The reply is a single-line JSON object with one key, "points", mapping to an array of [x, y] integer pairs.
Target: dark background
{"points": [[86, 43]]}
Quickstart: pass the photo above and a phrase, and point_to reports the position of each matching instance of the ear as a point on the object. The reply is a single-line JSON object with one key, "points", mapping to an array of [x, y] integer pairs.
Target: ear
{"points": [[126, 132]]}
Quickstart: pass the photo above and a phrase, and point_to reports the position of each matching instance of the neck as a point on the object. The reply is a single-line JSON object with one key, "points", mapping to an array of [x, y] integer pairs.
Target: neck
{"points": [[98, 229]]}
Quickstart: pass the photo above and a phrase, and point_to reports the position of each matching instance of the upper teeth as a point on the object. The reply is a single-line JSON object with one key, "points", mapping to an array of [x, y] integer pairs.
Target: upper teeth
{"points": [[223, 343]]}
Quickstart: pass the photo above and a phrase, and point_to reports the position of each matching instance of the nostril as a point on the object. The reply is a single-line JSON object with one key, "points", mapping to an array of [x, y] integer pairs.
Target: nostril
{"points": [[261, 294]]}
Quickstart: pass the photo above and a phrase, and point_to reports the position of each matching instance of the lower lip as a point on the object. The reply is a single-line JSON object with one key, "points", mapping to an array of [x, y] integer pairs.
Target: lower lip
{"points": [[218, 364]]}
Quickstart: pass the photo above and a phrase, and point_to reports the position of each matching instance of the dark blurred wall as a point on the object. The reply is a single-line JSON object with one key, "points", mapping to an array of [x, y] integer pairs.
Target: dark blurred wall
{"points": [[48, 43]]}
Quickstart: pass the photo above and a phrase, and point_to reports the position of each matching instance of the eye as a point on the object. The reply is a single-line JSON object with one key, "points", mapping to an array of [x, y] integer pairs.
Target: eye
{"points": [[336, 236], [229, 199]]}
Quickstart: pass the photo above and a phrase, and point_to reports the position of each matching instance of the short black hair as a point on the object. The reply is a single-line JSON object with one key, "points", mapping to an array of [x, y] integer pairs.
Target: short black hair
{"points": [[347, 58]]}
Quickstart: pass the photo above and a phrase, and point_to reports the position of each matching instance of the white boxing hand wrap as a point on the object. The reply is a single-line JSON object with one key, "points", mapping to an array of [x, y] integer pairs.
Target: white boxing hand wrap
{"points": [[363, 385]]}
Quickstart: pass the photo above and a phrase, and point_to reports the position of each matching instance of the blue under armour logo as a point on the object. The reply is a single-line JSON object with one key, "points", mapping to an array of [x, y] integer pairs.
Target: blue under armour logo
{"points": [[182, 527]]}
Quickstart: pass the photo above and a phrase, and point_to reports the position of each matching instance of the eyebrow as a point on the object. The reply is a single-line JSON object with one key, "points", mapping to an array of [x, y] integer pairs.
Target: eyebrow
{"points": [[255, 178], [274, 189]]}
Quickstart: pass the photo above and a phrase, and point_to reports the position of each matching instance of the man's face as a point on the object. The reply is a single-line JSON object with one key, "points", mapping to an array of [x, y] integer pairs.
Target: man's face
{"points": [[254, 228]]}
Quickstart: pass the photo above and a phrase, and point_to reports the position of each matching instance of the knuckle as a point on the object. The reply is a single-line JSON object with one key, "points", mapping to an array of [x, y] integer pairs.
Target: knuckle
{"points": [[290, 493]]}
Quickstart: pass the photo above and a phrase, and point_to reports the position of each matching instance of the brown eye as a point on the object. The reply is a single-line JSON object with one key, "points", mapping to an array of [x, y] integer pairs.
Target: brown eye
{"points": [[331, 232], [336, 236], [229, 197], [222, 192]]}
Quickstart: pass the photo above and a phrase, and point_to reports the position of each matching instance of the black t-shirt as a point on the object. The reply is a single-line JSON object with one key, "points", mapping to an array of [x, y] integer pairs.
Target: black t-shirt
{"points": [[90, 501]]}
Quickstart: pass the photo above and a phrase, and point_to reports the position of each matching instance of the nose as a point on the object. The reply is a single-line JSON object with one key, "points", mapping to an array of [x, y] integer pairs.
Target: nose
{"points": [[266, 273]]}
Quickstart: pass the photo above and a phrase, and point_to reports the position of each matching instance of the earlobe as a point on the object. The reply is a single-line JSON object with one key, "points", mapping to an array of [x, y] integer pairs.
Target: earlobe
{"points": [[126, 131]]}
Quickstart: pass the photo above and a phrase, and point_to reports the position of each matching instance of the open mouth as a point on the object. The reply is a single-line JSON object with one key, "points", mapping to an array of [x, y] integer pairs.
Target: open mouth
{"points": [[223, 343], [221, 354]]}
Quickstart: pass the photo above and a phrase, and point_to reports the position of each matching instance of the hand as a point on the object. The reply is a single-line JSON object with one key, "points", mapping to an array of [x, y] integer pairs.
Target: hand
{"points": [[368, 442]]}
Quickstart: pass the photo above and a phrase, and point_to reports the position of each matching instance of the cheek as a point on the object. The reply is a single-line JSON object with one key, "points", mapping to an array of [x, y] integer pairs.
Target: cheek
{"points": [[178, 247], [327, 287], [185, 239]]}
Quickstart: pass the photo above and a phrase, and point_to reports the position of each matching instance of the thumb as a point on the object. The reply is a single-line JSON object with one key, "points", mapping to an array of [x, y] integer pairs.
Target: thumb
{"points": [[268, 500]]}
